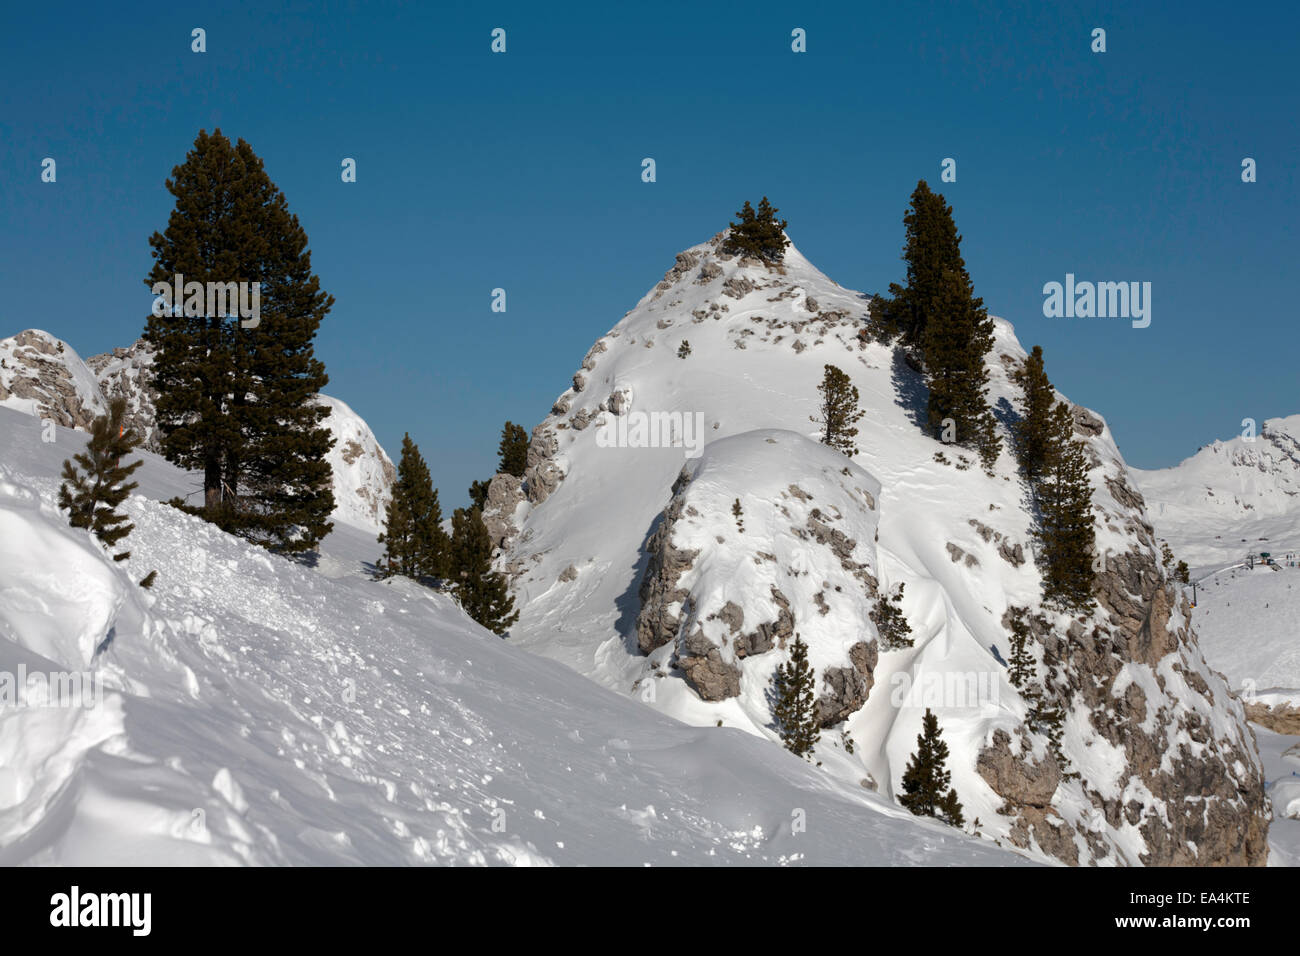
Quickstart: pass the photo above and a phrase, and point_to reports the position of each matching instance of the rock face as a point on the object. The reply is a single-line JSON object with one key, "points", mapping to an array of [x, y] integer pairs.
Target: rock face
{"points": [[505, 493], [125, 373], [728, 593], [43, 376], [1136, 674]]}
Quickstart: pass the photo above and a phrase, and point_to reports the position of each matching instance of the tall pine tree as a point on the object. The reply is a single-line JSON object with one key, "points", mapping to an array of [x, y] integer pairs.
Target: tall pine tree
{"points": [[92, 492], [958, 334], [1033, 431], [1066, 527], [795, 710], [926, 790], [236, 396], [932, 246], [482, 592], [938, 315], [513, 450], [415, 543]]}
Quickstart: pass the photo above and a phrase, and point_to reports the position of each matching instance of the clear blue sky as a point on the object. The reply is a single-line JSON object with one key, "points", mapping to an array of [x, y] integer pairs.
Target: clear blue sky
{"points": [[523, 171]]}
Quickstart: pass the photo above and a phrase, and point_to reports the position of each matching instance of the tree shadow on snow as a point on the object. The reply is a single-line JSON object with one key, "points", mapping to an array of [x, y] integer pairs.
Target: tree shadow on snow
{"points": [[911, 393]]}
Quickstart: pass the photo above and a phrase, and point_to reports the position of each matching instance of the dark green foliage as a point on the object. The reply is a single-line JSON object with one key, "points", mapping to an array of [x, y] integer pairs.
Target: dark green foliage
{"points": [[148, 580], [513, 450], [416, 545], [958, 334], [1033, 431], [237, 403], [1022, 667], [795, 713], [684, 349], [738, 513], [938, 314], [926, 790], [1066, 531], [1183, 574], [1049, 720], [758, 234], [92, 492], [890, 623], [839, 411], [1166, 556], [478, 492], [482, 592], [932, 247], [512, 459]]}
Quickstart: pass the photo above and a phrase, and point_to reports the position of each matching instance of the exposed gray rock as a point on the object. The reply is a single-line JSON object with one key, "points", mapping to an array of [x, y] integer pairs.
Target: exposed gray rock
{"points": [[737, 287], [846, 688], [541, 474], [505, 492], [1015, 778]]}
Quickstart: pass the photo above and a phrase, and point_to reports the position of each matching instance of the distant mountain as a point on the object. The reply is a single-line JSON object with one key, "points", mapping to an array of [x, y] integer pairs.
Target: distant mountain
{"points": [[43, 376], [1231, 498]]}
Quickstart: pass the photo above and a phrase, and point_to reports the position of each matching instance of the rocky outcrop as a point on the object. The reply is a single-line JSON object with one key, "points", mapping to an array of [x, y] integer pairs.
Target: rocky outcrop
{"points": [[723, 600], [541, 473], [504, 495], [845, 689], [42, 376]]}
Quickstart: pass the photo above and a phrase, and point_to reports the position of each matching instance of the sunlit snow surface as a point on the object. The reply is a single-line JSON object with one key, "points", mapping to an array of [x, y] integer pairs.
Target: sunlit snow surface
{"points": [[261, 712]]}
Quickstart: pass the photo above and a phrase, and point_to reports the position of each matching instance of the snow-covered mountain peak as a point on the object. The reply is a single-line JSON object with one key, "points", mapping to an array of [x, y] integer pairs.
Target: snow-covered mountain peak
{"points": [[618, 579]]}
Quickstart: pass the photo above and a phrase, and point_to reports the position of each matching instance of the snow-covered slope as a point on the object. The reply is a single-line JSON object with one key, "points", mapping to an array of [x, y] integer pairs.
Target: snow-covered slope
{"points": [[606, 551], [1231, 498], [256, 711], [42, 376]]}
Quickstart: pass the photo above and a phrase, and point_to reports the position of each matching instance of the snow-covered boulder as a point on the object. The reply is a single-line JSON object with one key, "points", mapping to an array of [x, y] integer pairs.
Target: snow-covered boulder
{"points": [[725, 588]]}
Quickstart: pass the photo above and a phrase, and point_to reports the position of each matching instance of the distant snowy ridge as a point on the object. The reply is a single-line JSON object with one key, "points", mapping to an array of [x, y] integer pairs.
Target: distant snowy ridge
{"points": [[1231, 498], [42, 376]]}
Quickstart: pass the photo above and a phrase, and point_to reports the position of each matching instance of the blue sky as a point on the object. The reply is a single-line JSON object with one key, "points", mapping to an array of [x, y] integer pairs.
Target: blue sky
{"points": [[522, 171]]}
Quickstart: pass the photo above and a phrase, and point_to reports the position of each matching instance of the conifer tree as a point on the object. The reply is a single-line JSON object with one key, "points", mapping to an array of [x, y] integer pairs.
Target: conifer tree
{"points": [[958, 334], [236, 396], [1022, 667], [1066, 527], [513, 450], [1033, 431], [92, 492], [938, 314], [890, 623], [932, 246], [795, 713], [926, 790], [758, 234], [839, 411], [1166, 556], [416, 545], [1182, 573], [483, 593]]}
